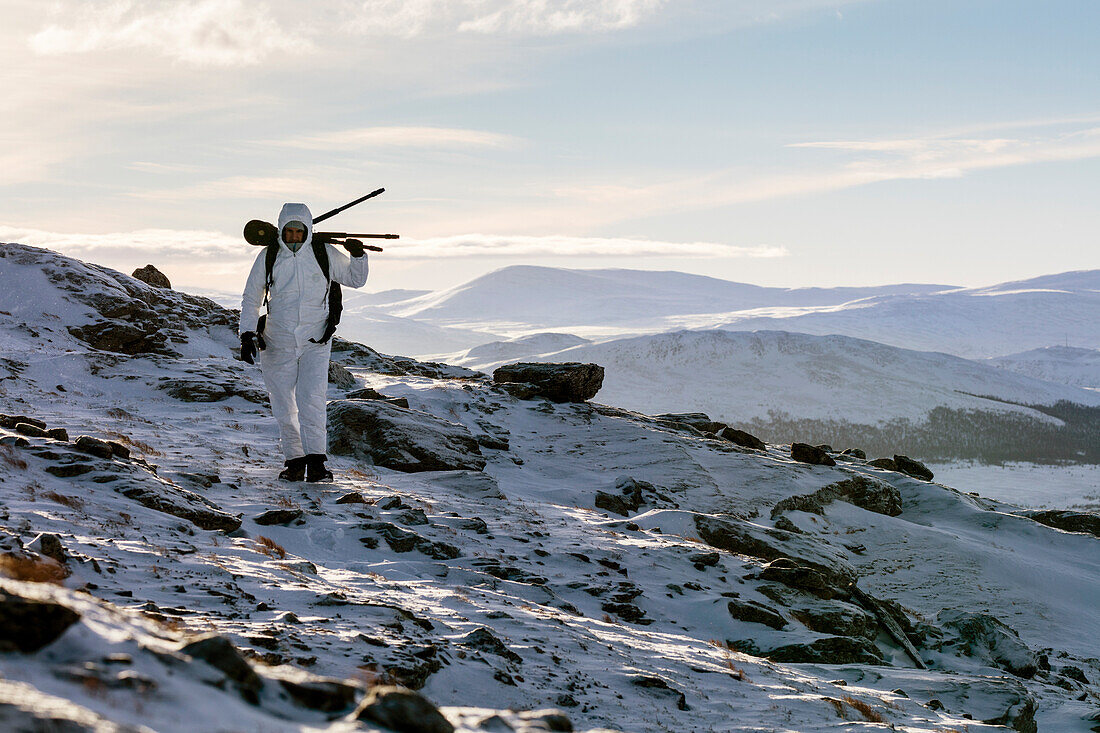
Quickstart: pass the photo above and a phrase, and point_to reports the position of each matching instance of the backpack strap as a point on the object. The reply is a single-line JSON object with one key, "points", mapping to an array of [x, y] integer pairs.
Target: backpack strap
{"points": [[269, 268], [333, 293]]}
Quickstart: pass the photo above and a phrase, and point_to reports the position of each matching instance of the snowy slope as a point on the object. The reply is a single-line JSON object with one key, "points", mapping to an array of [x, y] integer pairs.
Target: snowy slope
{"points": [[497, 588], [1062, 364], [738, 376]]}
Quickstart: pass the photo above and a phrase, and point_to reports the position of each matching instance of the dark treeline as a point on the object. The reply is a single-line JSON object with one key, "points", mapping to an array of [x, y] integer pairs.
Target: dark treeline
{"points": [[952, 434]]}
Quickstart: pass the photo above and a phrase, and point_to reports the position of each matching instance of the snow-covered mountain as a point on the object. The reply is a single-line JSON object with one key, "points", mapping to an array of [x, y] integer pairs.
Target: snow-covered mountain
{"points": [[497, 554], [604, 304], [1062, 364], [530, 297]]}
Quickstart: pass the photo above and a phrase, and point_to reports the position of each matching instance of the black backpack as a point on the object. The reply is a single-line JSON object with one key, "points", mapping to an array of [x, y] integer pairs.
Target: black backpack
{"points": [[333, 292]]}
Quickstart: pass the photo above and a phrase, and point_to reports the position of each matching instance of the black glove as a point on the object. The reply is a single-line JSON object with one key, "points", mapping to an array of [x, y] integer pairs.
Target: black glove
{"points": [[250, 340], [354, 246]]}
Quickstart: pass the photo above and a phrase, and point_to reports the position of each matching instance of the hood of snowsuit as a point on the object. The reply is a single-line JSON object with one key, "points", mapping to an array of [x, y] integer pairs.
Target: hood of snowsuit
{"points": [[296, 212]]}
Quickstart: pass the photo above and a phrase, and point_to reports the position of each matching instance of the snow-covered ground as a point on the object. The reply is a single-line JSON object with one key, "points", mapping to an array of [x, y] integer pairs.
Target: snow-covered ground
{"points": [[1029, 485], [707, 605]]}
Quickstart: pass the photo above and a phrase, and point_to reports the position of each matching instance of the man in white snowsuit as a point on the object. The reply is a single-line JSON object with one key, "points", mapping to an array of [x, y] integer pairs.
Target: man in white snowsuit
{"points": [[294, 364]]}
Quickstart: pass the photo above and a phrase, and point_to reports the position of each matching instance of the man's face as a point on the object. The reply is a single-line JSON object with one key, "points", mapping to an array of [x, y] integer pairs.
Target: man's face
{"points": [[294, 233]]}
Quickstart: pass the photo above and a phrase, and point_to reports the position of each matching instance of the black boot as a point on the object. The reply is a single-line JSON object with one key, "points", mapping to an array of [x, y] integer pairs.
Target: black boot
{"points": [[315, 468], [295, 469]]}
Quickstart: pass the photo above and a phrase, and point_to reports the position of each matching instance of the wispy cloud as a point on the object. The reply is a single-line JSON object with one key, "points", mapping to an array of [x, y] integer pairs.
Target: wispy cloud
{"points": [[199, 32], [409, 18], [294, 186], [939, 157], [397, 136], [497, 245]]}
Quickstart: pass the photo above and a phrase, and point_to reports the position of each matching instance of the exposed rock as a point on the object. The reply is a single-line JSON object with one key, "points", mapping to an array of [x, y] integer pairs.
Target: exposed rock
{"points": [[854, 453], [828, 650], [863, 491], [326, 694], [746, 538], [566, 382], [210, 390], [352, 497], [278, 516], [69, 470], [698, 420], [356, 354], [805, 453], [405, 440], [94, 446], [50, 545], [741, 438], [164, 497], [58, 434], [482, 639], [552, 720], [1068, 521], [405, 540], [821, 584], [219, 653], [401, 710], [836, 618], [756, 613], [152, 276], [368, 393], [10, 421], [885, 463], [31, 431], [339, 375], [984, 637], [704, 559], [913, 468], [615, 503], [30, 617], [122, 338], [659, 686]]}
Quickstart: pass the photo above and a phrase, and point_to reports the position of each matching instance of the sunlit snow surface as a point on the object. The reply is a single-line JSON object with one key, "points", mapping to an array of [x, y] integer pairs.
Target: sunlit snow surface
{"points": [[946, 550]]}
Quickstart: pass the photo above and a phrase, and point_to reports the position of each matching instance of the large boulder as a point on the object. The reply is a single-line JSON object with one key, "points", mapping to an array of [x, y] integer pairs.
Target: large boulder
{"points": [[913, 467], [401, 710], [152, 276], [741, 438], [31, 617], [805, 453], [401, 439], [566, 382]]}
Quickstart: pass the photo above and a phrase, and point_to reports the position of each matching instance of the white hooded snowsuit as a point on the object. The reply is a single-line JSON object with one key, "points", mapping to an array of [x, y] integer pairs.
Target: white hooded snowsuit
{"points": [[295, 369]]}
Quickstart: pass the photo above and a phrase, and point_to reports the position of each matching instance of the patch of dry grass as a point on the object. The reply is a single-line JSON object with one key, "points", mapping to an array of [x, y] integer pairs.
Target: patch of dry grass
{"points": [[865, 711], [70, 501], [33, 569], [269, 547]]}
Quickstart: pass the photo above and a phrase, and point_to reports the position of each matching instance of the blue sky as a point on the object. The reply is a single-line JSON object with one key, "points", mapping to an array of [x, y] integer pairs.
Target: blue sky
{"points": [[788, 142]]}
